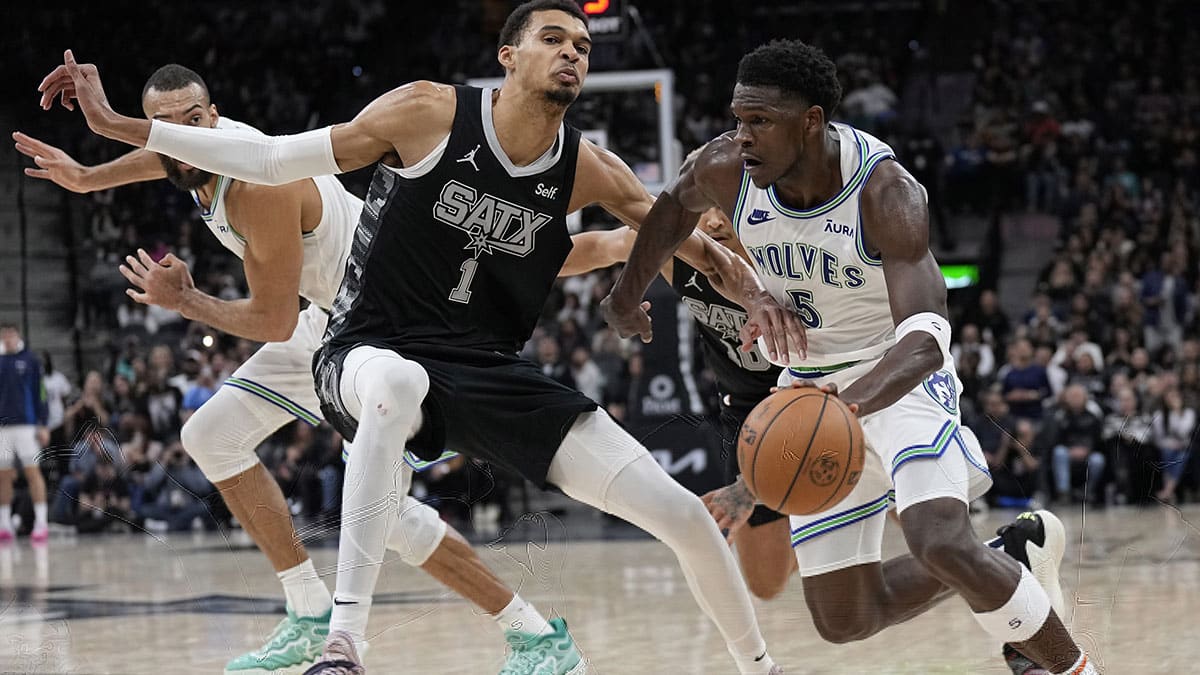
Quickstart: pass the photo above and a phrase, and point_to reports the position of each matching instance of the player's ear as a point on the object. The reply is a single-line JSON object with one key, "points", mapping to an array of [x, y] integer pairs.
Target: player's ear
{"points": [[213, 114], [814, 119], [506, 57]]}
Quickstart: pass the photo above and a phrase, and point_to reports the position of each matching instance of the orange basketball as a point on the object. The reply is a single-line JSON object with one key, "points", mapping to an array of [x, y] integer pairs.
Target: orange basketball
{"points": [[801, 451]]}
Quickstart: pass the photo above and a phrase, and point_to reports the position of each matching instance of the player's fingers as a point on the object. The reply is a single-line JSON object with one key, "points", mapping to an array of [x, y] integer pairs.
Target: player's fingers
{"points": [[131, 276], [135, 265], [138, 297], [646, 306], [57, 74], [145, 258], [797, 333], [37, 173]]}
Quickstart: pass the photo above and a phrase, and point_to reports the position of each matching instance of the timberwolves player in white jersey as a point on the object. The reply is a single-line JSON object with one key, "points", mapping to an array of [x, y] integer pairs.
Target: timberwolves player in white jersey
{"points": [[838, 230], [294, 240]]}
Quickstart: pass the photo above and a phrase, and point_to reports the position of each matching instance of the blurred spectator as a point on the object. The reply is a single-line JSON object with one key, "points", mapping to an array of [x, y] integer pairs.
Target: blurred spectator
{"points": [[104, 500], [550, 359], [1127, 433], [199, 393], [1013, 466], [1024, 383], [1074, 433], [58, 388], [587, 375], [991, 319], [969, 342], [175, 492], [1174, 425]]}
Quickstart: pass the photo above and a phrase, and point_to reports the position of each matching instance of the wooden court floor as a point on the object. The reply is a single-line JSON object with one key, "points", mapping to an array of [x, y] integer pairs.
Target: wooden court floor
{"points": [[132, 604]]}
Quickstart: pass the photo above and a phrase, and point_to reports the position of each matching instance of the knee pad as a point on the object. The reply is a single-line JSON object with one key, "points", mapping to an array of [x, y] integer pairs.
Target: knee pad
{"points": [[374, 378], [417, 533], [223, 433]]}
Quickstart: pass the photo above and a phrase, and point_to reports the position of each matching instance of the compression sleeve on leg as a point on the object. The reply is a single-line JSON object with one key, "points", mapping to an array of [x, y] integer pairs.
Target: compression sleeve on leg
{"points": [[245, 154]]}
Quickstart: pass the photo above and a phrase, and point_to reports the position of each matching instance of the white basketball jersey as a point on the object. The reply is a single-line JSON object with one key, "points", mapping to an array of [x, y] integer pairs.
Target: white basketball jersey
{"points": [[814, 260], [325, 248]]}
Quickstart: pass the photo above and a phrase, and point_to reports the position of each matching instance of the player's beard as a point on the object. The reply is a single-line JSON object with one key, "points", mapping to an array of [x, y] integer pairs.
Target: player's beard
{"points": [[190, 180], [561, 96]]}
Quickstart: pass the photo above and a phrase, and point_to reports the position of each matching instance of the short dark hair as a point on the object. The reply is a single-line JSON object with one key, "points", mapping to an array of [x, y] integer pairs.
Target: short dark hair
{"points": [[7, 325], [518, 21], [795, 68], [173, 77]]}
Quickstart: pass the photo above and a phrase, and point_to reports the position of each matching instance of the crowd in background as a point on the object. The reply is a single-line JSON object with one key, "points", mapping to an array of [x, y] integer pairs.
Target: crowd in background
{"points": [[1086, 114]]}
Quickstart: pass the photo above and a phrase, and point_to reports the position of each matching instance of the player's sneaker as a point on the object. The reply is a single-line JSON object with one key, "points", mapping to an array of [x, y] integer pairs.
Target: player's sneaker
{"points": [[297, 640], [551, 654], [1037, 540], [340, 657], [6, 536], [1020, 665], [40, 535]]}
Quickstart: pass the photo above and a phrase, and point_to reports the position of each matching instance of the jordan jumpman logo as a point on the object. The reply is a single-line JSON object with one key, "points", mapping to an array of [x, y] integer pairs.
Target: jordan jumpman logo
{"points": [[470, 157], [692, 282]]}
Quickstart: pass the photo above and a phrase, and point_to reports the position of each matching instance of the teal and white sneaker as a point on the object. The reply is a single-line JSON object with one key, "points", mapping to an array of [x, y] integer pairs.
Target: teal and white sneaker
{"points": [[551, 654], [296, 641]]}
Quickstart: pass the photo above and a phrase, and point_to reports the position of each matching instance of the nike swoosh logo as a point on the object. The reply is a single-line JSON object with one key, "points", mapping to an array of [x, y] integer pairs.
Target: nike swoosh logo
{"points": [[344, 602], [751, 219]]}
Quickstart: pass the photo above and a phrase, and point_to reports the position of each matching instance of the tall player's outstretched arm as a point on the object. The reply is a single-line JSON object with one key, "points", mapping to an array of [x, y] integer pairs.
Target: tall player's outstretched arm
{"points": [[56, 166], [710, 178], [895, 220], [402, 122], [273, 259]]}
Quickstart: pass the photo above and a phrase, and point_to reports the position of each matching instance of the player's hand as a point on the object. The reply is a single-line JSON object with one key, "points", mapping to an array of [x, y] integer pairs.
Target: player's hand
{"points": [[78, 83], [166, 283], [829, 388], [779, 327], [52, 163], [628, 321], [731, 507], [43, 437]]}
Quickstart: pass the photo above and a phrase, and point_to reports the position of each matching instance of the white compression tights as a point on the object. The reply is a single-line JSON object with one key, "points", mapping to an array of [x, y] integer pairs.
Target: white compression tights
{"points": [[600, 464], [383, 391]]}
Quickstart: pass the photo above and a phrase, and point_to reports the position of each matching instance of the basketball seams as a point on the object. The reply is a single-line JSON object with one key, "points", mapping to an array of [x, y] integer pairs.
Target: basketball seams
{"points": [[761, 433], [808, 449], [849, 458]]}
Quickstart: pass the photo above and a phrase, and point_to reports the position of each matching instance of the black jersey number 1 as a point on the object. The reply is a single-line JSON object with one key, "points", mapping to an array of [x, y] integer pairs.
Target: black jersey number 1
{"points": [[462, 292]]}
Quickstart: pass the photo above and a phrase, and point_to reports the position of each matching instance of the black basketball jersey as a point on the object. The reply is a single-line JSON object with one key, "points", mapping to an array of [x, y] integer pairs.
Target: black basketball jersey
{"points": [[744, 375], [463, 254]]}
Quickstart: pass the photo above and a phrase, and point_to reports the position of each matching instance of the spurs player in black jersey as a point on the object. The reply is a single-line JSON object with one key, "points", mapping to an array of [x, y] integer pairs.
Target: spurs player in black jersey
{"points": [[744, 378], [461, 237]]}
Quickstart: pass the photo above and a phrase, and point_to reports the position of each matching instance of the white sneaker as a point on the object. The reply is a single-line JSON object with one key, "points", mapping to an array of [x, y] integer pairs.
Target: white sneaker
{"points": [[1037, 539]]}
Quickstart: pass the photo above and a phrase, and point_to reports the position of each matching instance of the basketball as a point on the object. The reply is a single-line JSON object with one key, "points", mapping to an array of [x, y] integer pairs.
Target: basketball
{"points": [[801, 451]]}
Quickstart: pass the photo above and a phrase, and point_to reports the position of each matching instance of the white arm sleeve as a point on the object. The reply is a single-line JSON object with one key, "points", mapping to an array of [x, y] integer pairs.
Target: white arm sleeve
{"points": [[245, 154]]}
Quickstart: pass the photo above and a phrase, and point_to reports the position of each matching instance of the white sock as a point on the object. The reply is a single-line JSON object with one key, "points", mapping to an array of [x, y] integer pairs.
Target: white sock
{"points": [[521, 616], [753, 666], [306, 593], [6, 517], [350, 615], [1082, 666], [39, 515]]}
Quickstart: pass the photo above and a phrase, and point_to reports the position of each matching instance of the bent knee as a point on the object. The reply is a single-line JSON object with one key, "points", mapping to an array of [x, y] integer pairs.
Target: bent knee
{"points": [[843, 628], [402, 383], [766, 586]]}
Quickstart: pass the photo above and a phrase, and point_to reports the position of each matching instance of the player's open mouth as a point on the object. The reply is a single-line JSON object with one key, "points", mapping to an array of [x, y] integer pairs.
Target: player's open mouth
{"points": [[749, 163]]}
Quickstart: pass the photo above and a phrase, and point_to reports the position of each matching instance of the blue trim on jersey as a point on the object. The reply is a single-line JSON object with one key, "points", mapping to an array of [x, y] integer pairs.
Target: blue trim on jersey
{"points": [[839, 520], [874, 161], [962, 445], [850, 187], [275, 398], [931, 450]]}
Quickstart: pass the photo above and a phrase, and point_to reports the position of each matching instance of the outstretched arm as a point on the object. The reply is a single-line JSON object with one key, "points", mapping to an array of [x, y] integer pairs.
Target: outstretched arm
{"points": [[56, 166], [404, 121]]}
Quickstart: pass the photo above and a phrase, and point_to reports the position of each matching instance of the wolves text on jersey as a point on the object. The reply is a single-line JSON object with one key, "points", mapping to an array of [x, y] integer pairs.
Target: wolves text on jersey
{"points": [[493, 223], [799, 261]]}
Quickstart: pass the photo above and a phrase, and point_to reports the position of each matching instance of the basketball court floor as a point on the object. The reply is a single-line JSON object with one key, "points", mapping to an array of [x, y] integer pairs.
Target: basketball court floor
{"points": [[186, 603]]}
